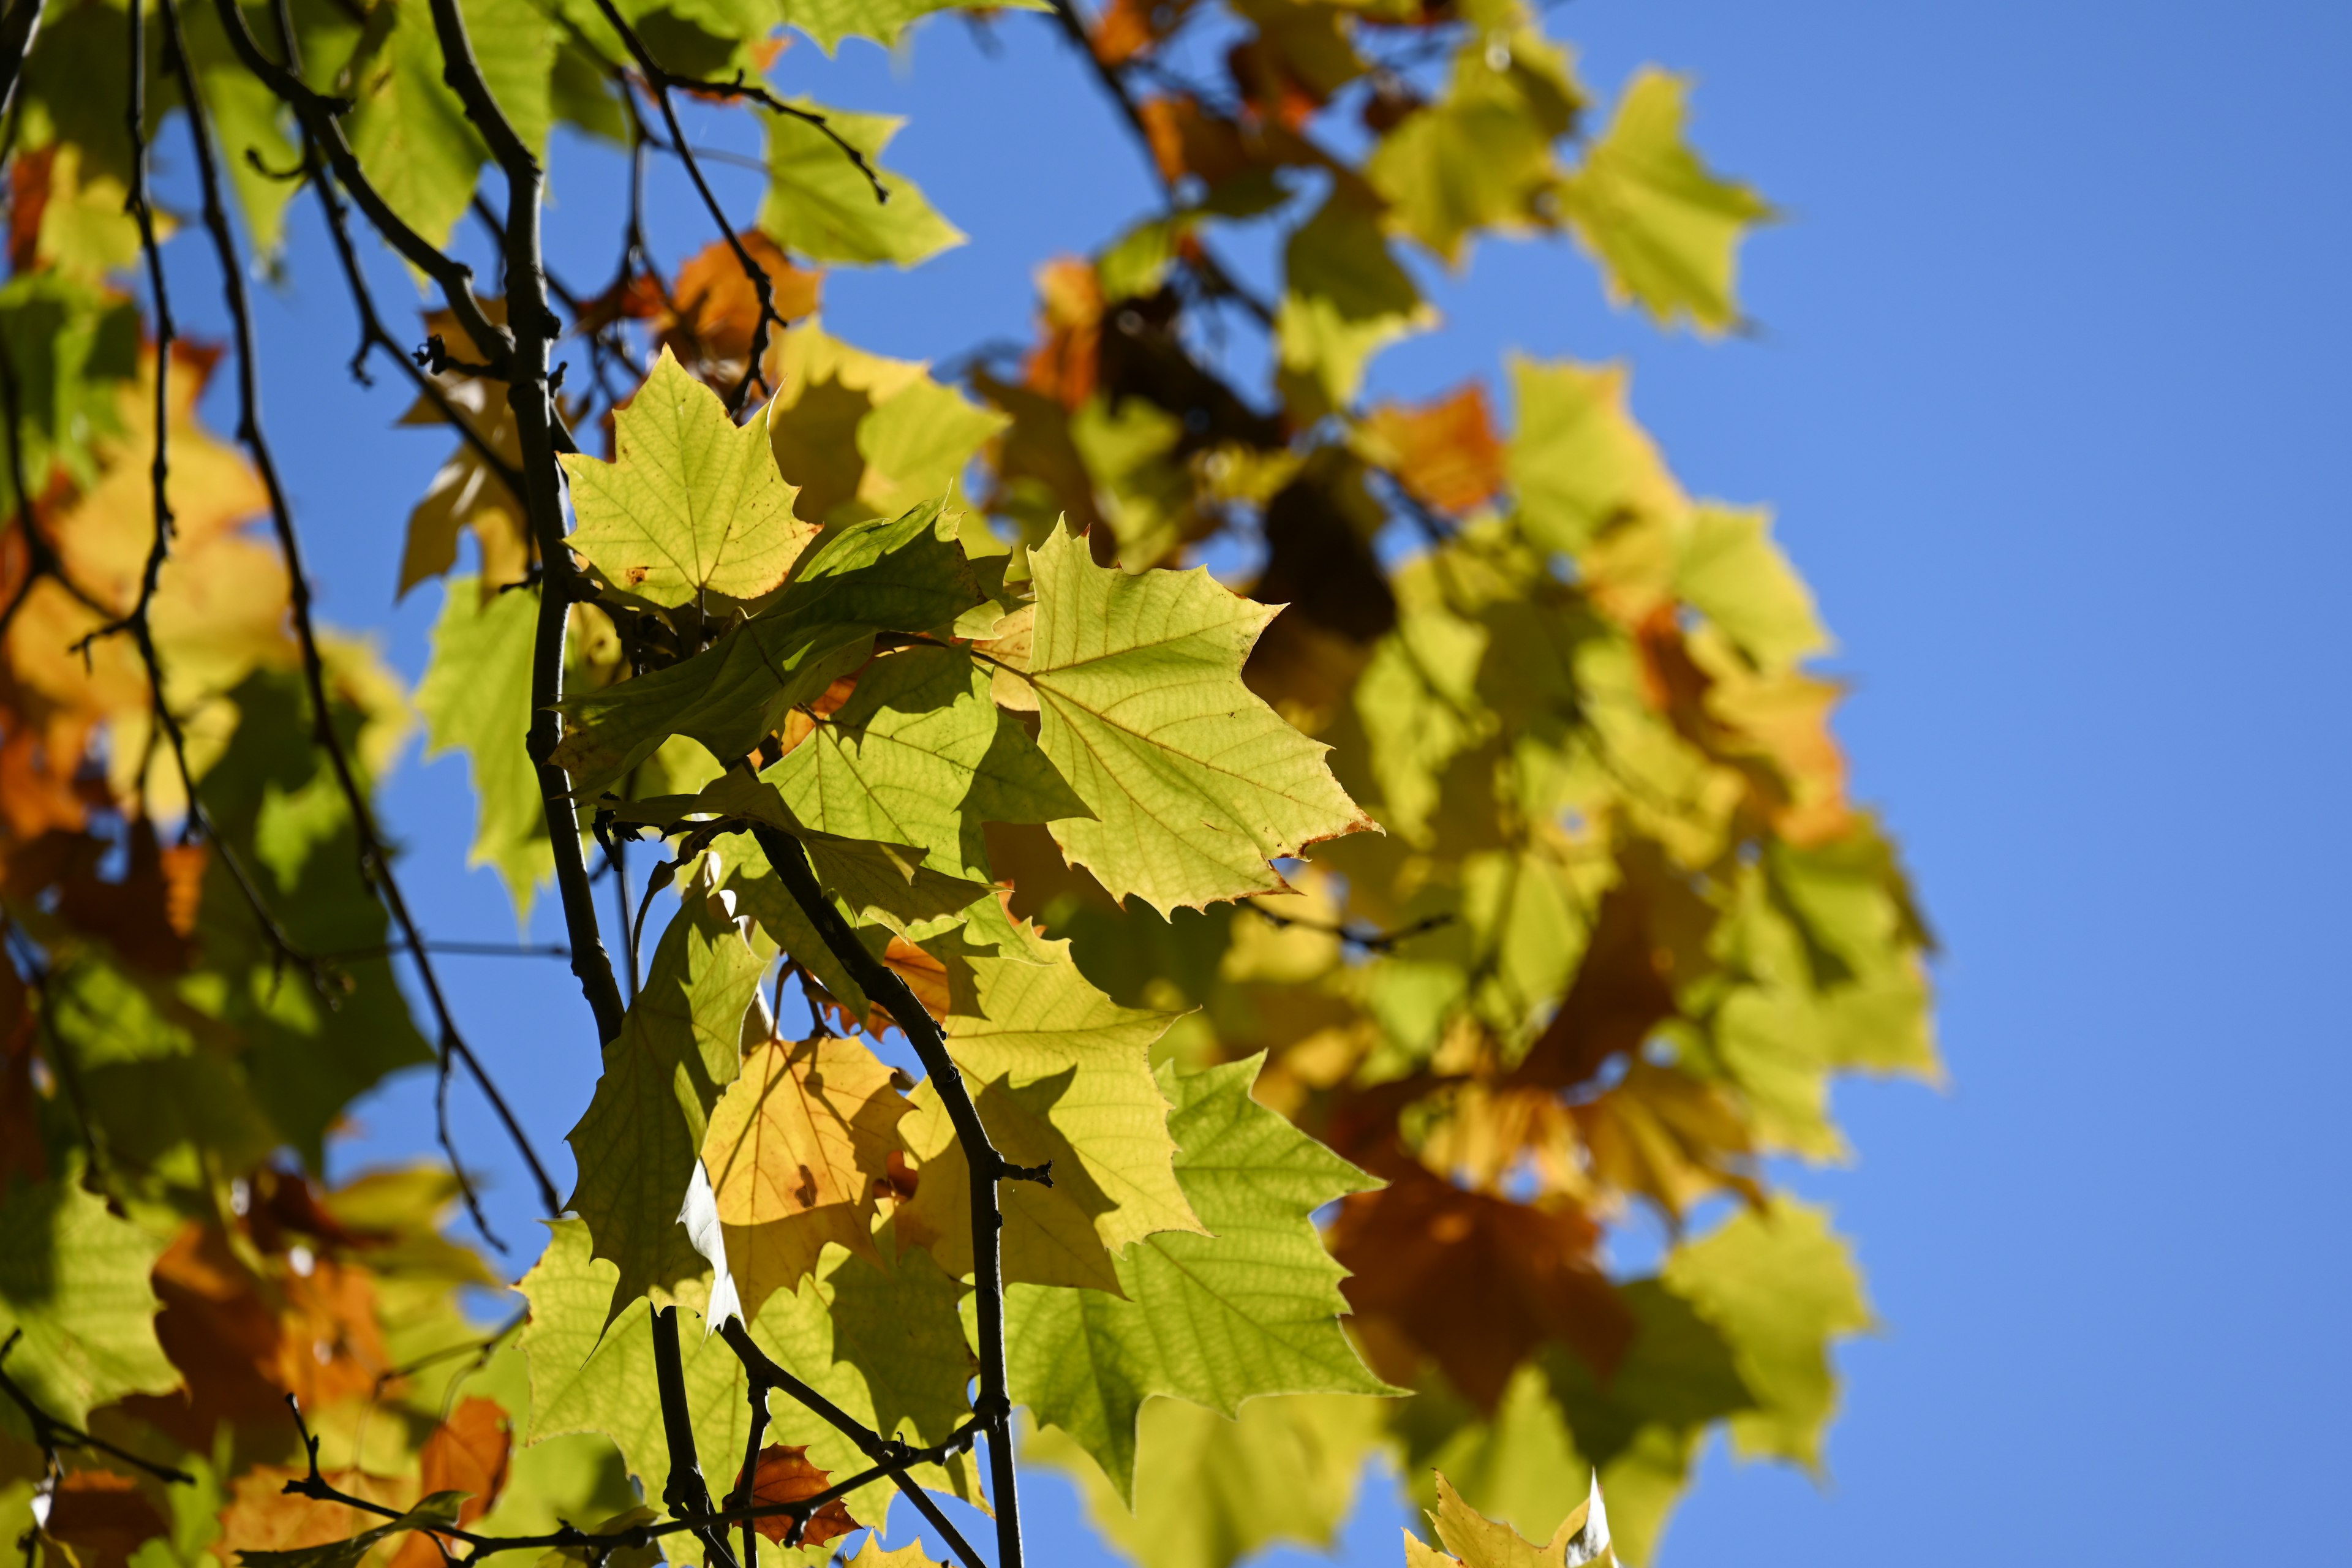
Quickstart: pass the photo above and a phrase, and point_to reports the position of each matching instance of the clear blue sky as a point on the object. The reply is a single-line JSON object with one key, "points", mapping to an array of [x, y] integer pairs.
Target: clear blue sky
{"points": [[2053, 343]]}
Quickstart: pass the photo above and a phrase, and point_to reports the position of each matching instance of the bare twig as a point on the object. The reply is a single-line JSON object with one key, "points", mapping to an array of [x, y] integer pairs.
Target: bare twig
{"points": [[1354, 936], [50, 1434], [320, 118]]}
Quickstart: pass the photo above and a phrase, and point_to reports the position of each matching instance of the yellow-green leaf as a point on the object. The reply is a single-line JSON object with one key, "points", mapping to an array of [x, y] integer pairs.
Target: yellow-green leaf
{"points": [[679, 1047], [73, 1281], [691, 505], [1666, 229], [821, 204], [1194, 782]]}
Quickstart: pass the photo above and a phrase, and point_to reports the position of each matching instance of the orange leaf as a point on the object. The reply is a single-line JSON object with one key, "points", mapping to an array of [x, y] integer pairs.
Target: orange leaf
{"points": [[466, 1453], [21, 1153], [784, 1475], [1473, 1281], [262, 1516], [1446, 452]]}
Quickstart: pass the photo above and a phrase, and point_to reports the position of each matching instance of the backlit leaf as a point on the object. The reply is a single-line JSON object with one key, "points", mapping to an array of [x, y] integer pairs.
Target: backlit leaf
{"points": [[693, 505], [1250, 1307], [1194, 782]]}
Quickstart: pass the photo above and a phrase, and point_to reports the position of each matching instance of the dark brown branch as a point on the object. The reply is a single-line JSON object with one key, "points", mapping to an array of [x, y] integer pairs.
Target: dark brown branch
{"points": [[375, 336], [765, 1373], [685, 1494], [660, 81], [882, 983], [375, 861], [316, 1486], [50, 1434], [532, 327], [320, 118]]}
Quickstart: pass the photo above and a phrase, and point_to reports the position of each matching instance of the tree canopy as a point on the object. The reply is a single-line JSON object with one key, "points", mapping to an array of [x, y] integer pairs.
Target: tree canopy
{"points": [[1310, 966]]}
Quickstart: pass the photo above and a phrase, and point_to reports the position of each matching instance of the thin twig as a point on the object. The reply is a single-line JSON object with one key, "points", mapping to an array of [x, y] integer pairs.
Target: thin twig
{"points": [[50, 1434], [1354, 936], [320, 118]]}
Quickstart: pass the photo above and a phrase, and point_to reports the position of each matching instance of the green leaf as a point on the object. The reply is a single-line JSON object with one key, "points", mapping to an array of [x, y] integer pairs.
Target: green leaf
{"points": [[1283, 1469], [821, 204], [884, 21], [1251, 1308], [1729, 571], [1779, 1287], [409, 131], [592, 1369], [73, 1280], [1576, 460], [1345, 298], [475, 698], [1194, 782], [887, 1347], [1664, 227], [678, 1049], [921, 755], [1481, 156], [1064, 1074], [693, 505], [906, 574]]}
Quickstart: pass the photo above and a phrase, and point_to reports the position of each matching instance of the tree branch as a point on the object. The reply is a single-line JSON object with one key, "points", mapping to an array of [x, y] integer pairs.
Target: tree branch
{"points": [[993, 1408], [376, 862], [532, 327], [321, 118]]}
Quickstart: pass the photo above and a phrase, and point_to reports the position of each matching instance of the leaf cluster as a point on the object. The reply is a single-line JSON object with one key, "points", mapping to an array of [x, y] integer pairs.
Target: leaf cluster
{"points": [[1307, 967]]}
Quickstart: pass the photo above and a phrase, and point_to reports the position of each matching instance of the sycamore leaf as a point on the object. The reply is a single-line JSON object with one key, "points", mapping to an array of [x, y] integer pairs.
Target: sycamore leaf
{"points": [[467, 1455], [1578, 460], [905, 575], [1194, 782], [865, 434], [873, 1554], [1251, 1308], [1345, 299], [1730, 572], [1779, 1286], [475, 698], [692, 503], [1477, 1542], [1481, 156], [784, 1475], [73, 1280], [885, 22], [589, 1365], [1064, 1074], [678, 1049], [1445, 451], [795, 1150], [921, 756], [409, 130], [1664, 227], [823, 206], [262, 1518], [1285, 1469], [103, 1517]]}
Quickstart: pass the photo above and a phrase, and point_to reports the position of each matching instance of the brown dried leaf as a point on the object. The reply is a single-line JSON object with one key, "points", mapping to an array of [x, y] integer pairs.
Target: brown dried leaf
{"points": [[784, 1475]]}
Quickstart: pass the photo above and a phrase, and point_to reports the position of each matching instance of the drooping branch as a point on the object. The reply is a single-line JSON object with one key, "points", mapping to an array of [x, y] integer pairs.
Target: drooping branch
{"points": [[993, 1407], [375, 861], [531, 328], [18, 28], [685, 1493]]}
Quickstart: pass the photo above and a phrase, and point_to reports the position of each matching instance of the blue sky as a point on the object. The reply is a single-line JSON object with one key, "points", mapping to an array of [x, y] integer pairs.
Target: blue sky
{"points": [[2052, 343]]}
